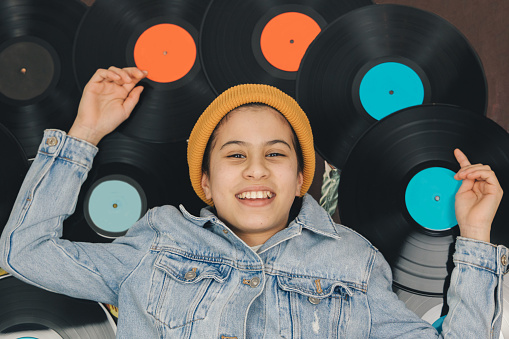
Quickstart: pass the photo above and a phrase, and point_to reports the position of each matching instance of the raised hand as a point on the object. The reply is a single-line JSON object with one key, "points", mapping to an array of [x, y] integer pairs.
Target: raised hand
{"points": [[477, 199], [108, 99]]}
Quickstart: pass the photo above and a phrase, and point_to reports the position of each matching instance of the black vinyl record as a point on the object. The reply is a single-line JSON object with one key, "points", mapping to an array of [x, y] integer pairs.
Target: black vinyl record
{"points": [[377, 60], [31, 312], [37, 87], [263, 41], [12, 172], [397, 188], [160, 37], [127, 178]]}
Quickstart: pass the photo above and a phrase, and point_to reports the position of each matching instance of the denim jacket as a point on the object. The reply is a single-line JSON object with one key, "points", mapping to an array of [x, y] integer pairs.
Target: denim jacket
{"points": [[175, 275]]}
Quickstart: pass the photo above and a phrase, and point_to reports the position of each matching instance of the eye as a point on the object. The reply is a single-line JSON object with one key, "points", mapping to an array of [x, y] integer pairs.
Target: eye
{"points": [[275, 154], [236, 155]]}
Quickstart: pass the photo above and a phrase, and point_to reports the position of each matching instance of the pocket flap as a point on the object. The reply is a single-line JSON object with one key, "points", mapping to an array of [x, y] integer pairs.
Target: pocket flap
{"points": [[314, 287], [188, 270]]}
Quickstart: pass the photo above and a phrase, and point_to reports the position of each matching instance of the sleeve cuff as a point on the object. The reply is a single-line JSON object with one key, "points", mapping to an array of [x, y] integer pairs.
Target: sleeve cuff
{"points": [[56, 143], [482, 254]]}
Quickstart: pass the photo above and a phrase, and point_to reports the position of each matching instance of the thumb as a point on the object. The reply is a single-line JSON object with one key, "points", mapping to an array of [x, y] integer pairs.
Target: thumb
{"points": [[132, 99]]}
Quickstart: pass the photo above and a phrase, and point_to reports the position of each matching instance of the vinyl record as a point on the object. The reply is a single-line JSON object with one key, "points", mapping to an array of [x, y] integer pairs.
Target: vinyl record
{"points": [[377, 60], [430, 308], [160, 37], [397, 188], [127, 178], [12, 172], [263, 41], [31, 312], [427, 308], [37, 87]]}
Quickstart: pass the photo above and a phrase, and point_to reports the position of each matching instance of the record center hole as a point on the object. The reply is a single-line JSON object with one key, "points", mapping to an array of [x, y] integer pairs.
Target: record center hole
{"points": [[437, 198], [23, 70], [391, 92], [165, 53], [115, 205], [292, 41]]}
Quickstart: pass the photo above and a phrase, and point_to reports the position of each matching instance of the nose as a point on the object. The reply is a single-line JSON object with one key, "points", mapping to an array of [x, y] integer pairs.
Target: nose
{"points": [[256, 168]]}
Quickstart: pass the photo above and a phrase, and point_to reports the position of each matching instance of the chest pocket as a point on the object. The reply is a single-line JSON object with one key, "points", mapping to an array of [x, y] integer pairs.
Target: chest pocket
{"points": [[313, 307], [182, 290]]}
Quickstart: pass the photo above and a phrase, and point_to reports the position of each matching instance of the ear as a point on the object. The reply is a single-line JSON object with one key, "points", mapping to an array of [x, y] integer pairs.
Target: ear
{"points": [[300, 181], [205, 185]]}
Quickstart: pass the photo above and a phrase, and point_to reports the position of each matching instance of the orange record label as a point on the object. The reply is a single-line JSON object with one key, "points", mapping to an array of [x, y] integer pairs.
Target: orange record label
{"points": [[166, 51], [2, 272], [113, 310], [285, 39]]}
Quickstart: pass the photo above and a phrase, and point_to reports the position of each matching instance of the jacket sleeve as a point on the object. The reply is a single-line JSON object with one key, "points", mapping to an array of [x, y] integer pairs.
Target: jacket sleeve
{"points": [[474, 297], [30, 246]]}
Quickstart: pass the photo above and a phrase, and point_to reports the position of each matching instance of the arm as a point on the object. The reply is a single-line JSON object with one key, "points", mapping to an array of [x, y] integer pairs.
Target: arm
{"points": [[30, 246], [474, 297]]}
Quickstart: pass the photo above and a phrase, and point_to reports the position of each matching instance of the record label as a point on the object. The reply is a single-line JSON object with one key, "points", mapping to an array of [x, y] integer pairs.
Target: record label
{"points": [[285, 39], [389, 87], [113, 204], [430, 196], [28, 69], [166, 51]]}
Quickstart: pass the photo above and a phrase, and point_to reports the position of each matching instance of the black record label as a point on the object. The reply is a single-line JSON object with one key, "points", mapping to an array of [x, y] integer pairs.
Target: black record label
{"points": [[37, 87], [377, 60], [263, 41], [397, 188], [160, 37]]}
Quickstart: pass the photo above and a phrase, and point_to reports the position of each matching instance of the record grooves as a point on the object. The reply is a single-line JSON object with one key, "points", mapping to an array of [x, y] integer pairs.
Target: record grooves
{"points": [[29, 311], [255, 41], [37, 88], [161, 37], [376, 60], [12, 172], [373, 191]]}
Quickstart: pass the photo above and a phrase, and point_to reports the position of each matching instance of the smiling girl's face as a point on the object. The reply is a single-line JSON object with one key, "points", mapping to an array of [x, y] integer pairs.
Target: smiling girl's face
{"points": [[253, 176]]}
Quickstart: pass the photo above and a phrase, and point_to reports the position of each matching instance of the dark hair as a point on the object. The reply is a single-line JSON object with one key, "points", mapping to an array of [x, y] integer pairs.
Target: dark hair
{"points": [[205, 166]]}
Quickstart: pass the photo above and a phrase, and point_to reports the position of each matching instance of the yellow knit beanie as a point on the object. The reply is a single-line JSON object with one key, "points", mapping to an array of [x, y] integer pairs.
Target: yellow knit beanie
{"points": [[238, 96]]}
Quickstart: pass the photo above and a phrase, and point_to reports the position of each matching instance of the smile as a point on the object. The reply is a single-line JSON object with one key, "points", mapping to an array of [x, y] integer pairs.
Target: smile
{"points": [[255, 195]]}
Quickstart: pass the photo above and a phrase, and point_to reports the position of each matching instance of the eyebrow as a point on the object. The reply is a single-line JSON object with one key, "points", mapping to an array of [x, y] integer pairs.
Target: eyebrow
{"points": [[243, 143]]}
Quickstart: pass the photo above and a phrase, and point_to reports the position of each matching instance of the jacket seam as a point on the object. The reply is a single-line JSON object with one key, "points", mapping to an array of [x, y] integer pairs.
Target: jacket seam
{"points": [[147, 251], [475, 265]]}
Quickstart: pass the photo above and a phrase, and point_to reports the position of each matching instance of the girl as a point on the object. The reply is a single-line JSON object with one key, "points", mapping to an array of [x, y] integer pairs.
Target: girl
{"points": [[263, 260]]}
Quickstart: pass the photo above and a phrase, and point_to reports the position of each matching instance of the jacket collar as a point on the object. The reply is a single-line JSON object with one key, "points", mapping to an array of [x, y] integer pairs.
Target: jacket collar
{"points": [[311, 217]]}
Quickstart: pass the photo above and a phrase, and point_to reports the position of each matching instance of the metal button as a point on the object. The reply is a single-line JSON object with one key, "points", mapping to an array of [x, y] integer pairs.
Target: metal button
{"points": [[254, 282], [314, 301], [504, 260], [190, 275], [51, 141]]}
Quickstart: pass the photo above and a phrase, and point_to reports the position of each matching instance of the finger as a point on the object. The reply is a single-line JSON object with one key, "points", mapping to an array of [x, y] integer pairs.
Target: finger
{"points": [[103, 74], [135, 75], [132, 99], [461, 158], [484, 175], [125, 77], [465, 171]]}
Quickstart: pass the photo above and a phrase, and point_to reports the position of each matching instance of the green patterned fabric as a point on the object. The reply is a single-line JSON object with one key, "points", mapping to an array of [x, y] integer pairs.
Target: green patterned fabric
{"points": [[330, 183]]}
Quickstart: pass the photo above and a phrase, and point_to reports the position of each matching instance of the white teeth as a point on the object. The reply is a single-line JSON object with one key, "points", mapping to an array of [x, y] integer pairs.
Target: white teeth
{"points": [[255, 195]]}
